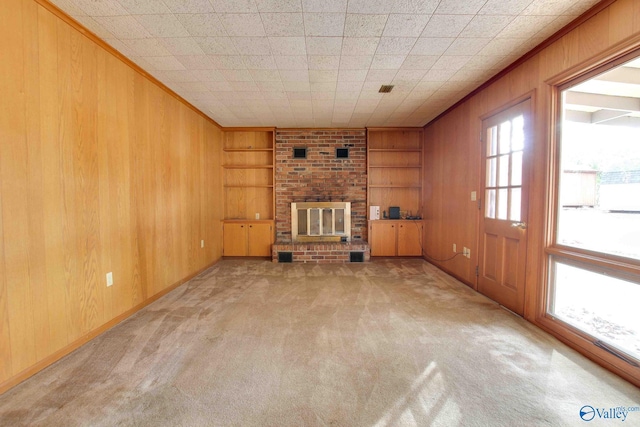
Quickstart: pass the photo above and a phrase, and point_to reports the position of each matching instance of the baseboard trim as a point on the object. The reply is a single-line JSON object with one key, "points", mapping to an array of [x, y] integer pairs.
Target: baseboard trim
{"points": [[54, 357]]}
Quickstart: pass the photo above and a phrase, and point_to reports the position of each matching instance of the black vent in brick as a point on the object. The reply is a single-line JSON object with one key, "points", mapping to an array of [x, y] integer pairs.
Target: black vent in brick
{"points": [[285, 256], [342, 153], [300, 153], [356, 256]]}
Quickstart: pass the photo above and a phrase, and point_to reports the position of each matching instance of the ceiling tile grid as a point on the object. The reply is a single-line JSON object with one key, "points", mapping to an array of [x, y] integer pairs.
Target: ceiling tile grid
{"points": [[320, 63]]}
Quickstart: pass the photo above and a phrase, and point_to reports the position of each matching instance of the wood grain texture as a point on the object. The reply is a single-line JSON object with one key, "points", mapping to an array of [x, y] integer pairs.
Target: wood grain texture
{"points": [[101, 171], [452, 149]]}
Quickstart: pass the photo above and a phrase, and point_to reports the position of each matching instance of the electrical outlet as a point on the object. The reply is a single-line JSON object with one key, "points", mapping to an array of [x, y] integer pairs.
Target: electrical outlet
{"points": [[454, 248], [474, 196], [109, 278], [257, 215], [202, 243]]}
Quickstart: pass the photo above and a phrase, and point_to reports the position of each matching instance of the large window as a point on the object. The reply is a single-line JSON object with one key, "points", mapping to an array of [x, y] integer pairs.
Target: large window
{"points": [[594, 260]]}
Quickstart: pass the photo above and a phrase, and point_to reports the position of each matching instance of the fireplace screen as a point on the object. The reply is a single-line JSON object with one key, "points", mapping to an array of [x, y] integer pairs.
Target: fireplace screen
{"points": [[321, 221]]}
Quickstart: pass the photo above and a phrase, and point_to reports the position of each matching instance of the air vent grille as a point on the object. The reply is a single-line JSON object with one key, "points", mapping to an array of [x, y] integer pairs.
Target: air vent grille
{"points": [[385, 88]]}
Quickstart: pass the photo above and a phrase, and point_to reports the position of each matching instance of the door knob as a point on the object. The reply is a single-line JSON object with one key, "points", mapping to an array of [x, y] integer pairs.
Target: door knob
{"points": [[520, 225]]}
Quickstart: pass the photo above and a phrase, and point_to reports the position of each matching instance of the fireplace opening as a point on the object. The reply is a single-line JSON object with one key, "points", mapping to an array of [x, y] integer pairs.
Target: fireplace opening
{"points": [[321, 221]]}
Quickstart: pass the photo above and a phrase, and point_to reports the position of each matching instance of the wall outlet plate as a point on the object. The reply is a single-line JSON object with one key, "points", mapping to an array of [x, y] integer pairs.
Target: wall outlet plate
{"points": [[110, 278]]}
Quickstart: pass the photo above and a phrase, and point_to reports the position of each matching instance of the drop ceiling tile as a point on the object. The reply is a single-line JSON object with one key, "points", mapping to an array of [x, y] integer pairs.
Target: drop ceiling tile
{"points": [[486, 26], [352, 75], [348, 87], [360, 25], [324, 5], [162, 25], [194, 87], [288, 45], [323, 86], [446, 25], [450, 62], [181, 46], [409, 75], [501, 7], [431, 46], [270, 86], [323, 100], [259, 62], [265, 75], [430, 86], [147, 47], [545, 7], [525, 27], [296, 86], [123, 27], [244, 86], [236, 75], [177, 76], [324, 62], [386, 62], [228, 62], [283, 24], [144, 7], [355, 62], [467, 46], [216, 45], [381, 76], [405, 25], [294, 76], [359, 45], [252, 45], [202, 25], [164, 62], [279, 5], [324, 45], [208, 75], [293, 62], [191, 6], [324, 24], [197, 62], [437, 76], [395, 45], [242, 24], [500, 46], [234, 6], [484, 62], [457, 7], [416, 6], [419, 62], [323, 76], [101, 7]]}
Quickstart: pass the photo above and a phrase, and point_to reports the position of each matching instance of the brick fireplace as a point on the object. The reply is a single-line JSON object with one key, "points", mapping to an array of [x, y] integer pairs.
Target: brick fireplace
{"points": [[324, 174]]}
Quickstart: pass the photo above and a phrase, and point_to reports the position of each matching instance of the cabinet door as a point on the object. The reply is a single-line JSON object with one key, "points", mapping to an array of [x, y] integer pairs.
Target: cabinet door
{"points": [[234, 239], [260, 239], [382, 238], [410, 239]]}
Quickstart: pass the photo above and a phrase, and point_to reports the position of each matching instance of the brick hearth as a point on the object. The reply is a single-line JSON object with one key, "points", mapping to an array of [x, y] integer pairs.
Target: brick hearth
{"points": [[321, 252]]}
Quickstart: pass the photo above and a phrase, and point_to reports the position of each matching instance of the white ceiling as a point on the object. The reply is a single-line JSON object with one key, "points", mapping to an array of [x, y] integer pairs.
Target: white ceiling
{"points": [[320, 63]]}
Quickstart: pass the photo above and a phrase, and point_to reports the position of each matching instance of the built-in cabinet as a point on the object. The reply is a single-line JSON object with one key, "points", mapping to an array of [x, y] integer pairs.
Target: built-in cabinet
{"points": [[395, 237], [248, 182], [247, 238], [394, 170]]}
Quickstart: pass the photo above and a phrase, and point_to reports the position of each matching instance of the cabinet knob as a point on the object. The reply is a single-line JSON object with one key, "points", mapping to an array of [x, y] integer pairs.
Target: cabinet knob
{"points": [[242, 226], [251, 226]]}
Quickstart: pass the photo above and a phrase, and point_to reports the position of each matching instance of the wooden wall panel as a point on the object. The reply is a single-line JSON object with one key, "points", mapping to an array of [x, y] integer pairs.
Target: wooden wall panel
{"points": [[101, 171], [452, 145]]}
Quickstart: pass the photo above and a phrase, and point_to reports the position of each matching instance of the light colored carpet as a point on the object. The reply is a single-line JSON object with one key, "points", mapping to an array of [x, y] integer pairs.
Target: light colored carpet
{"points": [[388, 343]]}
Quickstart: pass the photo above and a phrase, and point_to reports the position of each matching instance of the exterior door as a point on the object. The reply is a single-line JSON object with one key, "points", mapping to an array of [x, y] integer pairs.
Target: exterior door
{"points": [[503, 219]]}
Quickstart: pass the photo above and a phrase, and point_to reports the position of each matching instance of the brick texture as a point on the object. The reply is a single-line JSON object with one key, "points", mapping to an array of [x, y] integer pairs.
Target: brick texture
{"points": [[321, 176]]}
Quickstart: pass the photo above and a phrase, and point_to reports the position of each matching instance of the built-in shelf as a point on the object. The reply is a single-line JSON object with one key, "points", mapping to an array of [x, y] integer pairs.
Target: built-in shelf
{"points": [[395, 169]]}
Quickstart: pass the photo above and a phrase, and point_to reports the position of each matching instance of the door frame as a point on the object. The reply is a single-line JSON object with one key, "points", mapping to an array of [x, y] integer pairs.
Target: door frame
{"points": [[529, 153]]}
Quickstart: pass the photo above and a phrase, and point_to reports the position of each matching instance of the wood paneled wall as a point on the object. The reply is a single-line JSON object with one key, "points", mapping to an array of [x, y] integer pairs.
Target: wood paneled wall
{"points": [[452, 149], [100, 170]]}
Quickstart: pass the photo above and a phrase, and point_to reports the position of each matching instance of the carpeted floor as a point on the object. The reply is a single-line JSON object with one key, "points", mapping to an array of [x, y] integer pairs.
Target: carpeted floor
{"points": [[388, 343]]}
